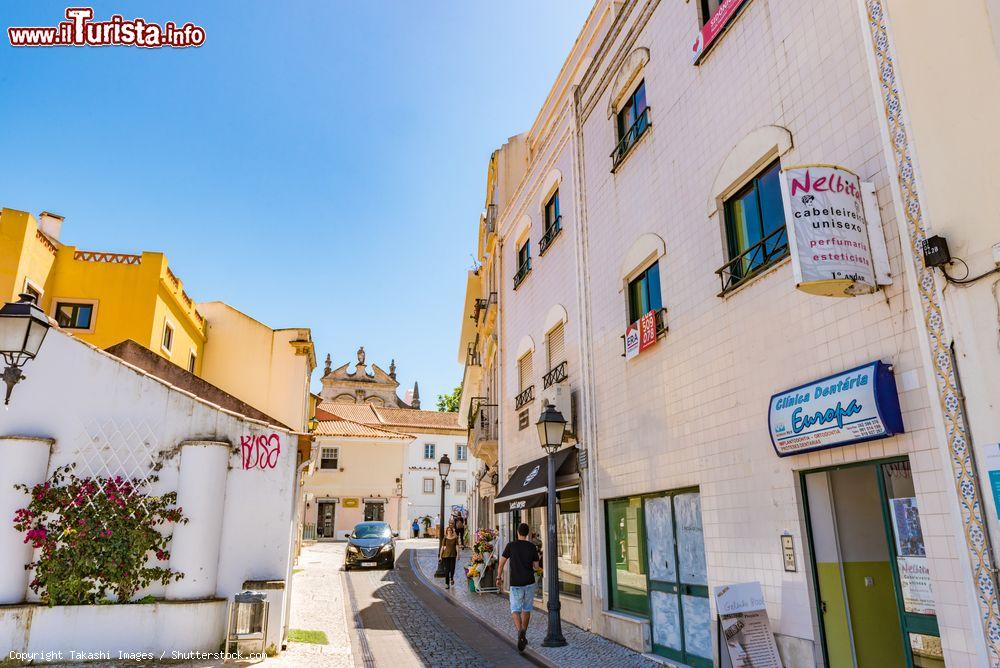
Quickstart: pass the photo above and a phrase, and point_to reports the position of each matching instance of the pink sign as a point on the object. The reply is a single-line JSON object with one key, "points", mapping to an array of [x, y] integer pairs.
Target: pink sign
{"points": [[261, 451], [714, 27], [647, 330]]}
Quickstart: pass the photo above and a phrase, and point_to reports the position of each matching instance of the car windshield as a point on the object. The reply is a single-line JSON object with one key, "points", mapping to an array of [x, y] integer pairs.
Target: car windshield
{"points": [[371, 530]]}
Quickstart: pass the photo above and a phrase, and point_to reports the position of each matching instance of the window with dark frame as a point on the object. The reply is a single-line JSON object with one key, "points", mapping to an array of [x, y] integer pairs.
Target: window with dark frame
{"points": [[29, 289], [708, 8], [329, 458], [755, 227], [429, 450], [644, 293], [632, 121], [74, 316], [523, 262], [192, 361], [553, 222], [461, 453], [168, 337]]}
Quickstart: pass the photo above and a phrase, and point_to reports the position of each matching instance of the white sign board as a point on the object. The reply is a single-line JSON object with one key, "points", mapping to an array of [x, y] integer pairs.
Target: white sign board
{"points": [[632, 341], [828, 234], [857, 405], [745, 628]]}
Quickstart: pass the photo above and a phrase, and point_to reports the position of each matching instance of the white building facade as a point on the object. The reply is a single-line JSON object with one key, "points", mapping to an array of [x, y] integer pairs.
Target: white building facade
{"points": [[688, 347]]}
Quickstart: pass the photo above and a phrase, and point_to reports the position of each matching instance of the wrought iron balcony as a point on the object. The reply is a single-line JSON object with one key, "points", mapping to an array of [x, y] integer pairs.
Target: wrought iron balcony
{"points": [[524, 398], [630, 138], [661, 326], [551, 232], [484, 422], [522, 271], [478, 308], [754, 260], [556, 375], [472, 356]]}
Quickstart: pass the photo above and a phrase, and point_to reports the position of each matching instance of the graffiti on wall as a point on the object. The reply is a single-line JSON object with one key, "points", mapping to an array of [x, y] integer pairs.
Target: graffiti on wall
{"points": [[260, 451]]}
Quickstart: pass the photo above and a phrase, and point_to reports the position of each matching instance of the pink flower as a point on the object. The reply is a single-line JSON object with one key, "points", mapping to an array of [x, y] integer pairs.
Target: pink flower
{"points": [[161, 555]]}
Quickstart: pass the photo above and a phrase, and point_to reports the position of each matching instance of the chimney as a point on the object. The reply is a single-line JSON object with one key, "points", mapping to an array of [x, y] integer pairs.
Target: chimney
{"points": [[50, 224]]}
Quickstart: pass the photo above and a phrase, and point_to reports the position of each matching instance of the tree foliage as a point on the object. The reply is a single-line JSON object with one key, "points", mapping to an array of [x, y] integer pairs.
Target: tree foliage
{"points": [[450, 402]]}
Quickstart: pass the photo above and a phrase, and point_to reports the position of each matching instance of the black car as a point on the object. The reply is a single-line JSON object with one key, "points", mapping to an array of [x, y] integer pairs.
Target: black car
{"points": [[371, 544]]}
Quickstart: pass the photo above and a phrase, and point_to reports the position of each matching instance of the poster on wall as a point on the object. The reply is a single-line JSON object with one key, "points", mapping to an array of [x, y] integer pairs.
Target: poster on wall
{"points": [[857, 405], [906, 526], [745, 627], [828, 234], [915, 583]]}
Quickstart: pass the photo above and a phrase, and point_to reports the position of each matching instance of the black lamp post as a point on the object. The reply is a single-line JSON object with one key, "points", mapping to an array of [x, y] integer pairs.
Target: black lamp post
{"points": [[444, 467], [22, 329], [551, 428]]}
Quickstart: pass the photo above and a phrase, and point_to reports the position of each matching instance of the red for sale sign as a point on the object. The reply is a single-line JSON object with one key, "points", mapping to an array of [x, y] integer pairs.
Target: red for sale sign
{"points": [[714, 26], [647, 330]]}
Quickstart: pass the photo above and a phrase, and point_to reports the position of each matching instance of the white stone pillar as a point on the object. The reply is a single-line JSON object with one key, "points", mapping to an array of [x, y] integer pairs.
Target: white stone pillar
{"points": [[23, 460], [201, 493]]}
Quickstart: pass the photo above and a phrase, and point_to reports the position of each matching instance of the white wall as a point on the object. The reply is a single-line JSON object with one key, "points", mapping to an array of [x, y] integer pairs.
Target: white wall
{"points": [[111, 419], [420, 504]]}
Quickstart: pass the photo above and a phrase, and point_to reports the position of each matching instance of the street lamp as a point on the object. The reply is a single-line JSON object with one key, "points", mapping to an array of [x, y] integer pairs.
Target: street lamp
{"points": [[551, 428], [22, 329], [444, 467]]}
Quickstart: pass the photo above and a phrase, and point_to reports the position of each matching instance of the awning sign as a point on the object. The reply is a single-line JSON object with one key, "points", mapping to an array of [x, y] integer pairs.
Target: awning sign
{"points": [[857, 405], [828, 234]]}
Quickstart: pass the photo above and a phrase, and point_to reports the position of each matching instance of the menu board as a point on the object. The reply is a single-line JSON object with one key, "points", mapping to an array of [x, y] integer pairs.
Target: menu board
{"points": [[745, 627]]}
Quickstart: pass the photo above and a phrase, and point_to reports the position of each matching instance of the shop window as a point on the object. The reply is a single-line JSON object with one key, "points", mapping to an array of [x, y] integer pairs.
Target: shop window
{"points": [[71, 315], [570, 544], [461, 486], [429, 451], [627, 587], [632, 121], [644, 294], [374, 511], [428, 485], [755, 228], [553, 223], [329, 458], [462, 452], [167, 342], [523, 262]]}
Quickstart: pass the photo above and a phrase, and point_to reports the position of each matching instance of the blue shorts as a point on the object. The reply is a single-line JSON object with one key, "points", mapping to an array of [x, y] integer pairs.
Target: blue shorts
{"points": [[522, 599]]}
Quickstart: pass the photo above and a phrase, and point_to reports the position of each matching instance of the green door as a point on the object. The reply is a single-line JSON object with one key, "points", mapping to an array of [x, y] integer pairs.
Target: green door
{"points": [[870, 566], [680, 614]]}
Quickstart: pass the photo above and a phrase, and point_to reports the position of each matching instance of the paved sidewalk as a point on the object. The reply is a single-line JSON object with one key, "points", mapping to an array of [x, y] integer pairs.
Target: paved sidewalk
{"points": [[584, 648]]}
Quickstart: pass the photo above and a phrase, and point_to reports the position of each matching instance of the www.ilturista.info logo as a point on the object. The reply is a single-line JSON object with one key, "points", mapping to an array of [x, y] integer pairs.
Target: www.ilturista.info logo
{"points": [[81, 30]]}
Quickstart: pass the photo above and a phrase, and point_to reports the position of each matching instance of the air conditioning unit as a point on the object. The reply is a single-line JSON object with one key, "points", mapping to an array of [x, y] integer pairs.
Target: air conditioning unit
{"points": [[561, 397]]}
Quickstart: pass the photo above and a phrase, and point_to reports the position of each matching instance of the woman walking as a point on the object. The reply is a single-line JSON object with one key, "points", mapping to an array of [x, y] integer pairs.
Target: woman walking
{"points": [[449, 550]]}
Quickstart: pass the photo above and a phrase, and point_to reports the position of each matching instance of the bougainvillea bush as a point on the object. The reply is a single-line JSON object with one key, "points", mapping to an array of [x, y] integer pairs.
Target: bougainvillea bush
{"points": [[100, 539]]}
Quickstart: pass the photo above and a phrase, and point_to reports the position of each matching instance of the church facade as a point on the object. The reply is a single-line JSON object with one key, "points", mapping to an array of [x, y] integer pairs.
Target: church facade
{"points": [[377, 454]]}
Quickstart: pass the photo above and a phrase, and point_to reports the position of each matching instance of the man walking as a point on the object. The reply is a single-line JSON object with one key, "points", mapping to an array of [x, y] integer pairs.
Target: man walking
{"points": [[523, 558]]}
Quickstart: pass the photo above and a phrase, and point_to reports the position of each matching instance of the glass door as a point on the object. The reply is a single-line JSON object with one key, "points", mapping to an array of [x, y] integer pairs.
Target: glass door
{"points": [[374, 512], [326, 514], [680, 614]]}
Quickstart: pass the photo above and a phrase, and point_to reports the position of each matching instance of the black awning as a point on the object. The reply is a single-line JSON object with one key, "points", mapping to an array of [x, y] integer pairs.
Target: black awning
{"points": [[526, 487]]}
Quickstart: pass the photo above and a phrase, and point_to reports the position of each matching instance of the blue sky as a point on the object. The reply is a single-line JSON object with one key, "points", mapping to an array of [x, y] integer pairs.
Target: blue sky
{"points": [[314, 164]]}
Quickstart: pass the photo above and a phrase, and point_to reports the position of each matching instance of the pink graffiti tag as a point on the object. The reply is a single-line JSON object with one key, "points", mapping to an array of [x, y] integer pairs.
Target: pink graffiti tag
{"points": [[260, 451]]}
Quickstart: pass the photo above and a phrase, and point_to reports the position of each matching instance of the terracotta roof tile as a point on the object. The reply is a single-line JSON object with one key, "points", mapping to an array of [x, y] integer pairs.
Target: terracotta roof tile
{"points": [[347, 428], [406, 418]]}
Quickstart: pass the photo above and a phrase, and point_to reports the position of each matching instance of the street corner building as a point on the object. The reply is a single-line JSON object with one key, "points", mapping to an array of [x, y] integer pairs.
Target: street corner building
{"points": [[729, 250], [375, 456], [131, 438]]}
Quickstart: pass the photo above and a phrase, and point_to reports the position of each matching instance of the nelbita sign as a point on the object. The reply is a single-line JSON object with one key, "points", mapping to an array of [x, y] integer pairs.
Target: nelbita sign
{"points": [[828, 234], [850, 407]]}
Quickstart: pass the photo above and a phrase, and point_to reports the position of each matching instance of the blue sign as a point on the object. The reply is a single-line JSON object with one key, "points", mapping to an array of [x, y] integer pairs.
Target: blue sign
{"points": [[995, 486], [849, 407]]}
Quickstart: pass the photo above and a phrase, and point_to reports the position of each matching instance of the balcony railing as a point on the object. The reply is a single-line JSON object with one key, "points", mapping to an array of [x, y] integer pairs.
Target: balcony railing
{"points": [[522, 271], [661, 326], [754, 260], [630, 138], [524, 398], [308, 532], [484, 421], [551, 232], [556, 375]]}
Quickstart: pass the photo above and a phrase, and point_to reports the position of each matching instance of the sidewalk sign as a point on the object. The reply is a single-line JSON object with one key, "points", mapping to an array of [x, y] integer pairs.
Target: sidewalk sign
{"points": [[745, 628]]}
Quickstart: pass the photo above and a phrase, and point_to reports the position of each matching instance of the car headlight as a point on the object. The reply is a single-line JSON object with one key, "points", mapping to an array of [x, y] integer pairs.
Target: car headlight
{"points": [[386, 548], [352, 549]]}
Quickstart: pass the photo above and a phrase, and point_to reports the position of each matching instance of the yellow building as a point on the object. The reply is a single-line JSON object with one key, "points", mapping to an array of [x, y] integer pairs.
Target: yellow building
{"points": [[102, 298]]}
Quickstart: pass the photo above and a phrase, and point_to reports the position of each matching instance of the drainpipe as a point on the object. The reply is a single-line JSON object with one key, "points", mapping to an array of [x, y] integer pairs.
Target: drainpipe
{"points": [[587, 431]]}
